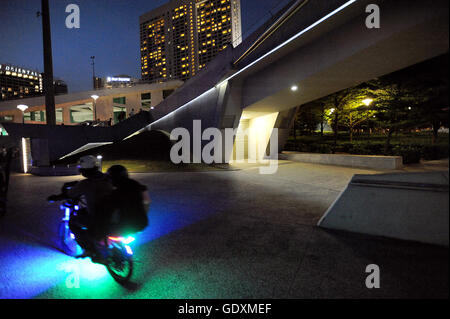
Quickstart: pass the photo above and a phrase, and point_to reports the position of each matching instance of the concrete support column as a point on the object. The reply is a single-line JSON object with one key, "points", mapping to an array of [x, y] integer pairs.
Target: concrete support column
{"points": [[104, 107], [66, 115], [284, 123], [133, 102], [18, 116], [157, 97]]}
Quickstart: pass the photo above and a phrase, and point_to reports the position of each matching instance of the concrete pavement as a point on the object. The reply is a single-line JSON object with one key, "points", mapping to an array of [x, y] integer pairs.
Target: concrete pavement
{"points": [[221, 234]]}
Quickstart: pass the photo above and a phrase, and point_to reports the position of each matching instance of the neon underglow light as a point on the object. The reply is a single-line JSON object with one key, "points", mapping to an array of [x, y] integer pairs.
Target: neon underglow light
{"points": [[326, 17], [129, 250], [24, 155], [126, 241]]}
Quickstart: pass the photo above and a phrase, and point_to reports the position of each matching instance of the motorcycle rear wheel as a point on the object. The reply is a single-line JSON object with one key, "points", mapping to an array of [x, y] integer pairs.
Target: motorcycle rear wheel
{"points": [[119, 263]]}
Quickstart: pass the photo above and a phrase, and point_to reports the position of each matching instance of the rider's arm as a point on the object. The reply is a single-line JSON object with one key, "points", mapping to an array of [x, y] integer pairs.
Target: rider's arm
{"points": [[77, 190]]}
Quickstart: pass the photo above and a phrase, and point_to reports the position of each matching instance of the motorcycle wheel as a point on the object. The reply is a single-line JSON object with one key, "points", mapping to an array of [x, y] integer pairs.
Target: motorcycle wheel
{"points": [[68, 244], [119, 263]]}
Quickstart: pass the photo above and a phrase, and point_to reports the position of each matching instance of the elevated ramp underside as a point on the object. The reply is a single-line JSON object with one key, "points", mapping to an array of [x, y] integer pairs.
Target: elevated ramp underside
{"points": [[409, 206]]}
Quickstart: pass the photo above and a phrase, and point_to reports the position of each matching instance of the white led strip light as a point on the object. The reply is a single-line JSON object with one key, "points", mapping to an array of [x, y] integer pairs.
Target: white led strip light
{"points": [[329, 15], [24, 155]]}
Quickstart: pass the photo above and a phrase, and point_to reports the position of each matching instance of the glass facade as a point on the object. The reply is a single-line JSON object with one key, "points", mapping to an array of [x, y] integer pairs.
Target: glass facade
{"points": [[120, 100], [16, 82], [180, 38], [36, 116], [81, 113], [146, 100]]}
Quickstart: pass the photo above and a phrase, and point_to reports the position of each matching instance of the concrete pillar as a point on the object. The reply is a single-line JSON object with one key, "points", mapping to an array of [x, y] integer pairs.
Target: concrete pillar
{"points": [[18, 116], [284, 123], [66, 115], [133, 102], [157, 97], [260, 131], [104, 107]]}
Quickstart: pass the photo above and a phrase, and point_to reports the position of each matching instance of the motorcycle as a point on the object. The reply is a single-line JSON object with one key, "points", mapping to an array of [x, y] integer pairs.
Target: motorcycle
{"points": [[115, 251]]}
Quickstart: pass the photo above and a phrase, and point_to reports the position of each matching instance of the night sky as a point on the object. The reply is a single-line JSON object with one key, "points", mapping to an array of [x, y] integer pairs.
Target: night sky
{"points": [[109, 31]]}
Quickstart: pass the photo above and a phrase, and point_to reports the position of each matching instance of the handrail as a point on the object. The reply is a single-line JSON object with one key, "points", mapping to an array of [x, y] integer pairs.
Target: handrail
{"points": [[274, 27]]}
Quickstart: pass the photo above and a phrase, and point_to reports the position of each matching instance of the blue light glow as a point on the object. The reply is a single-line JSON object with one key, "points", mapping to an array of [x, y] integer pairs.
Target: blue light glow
{"points": [[128, 240], [129, 250]]}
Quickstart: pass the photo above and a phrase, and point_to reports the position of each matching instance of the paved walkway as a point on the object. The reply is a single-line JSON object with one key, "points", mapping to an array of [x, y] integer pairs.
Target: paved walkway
{"points": [[221, 234]]}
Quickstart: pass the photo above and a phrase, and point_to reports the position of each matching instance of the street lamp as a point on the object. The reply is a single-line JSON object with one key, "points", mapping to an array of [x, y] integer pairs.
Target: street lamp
{"points": [[294, 88], [367, 102], [23, 108], [93, 71], [95, 97]]}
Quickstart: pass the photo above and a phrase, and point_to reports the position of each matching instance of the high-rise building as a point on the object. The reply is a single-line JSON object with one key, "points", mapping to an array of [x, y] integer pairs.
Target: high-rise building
{"points": [[17, 82], [179, 38]]}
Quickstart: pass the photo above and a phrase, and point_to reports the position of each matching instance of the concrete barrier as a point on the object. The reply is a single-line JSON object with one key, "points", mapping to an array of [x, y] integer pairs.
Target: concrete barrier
{"points": [[71, 170], [409, 206], [357, 161]]}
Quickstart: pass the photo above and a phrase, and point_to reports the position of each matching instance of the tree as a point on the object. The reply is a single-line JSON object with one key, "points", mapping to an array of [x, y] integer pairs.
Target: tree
{"points": [[393, 102], [432, 88], [358, 111], [346, 108], [413, 97], [308, 118]]}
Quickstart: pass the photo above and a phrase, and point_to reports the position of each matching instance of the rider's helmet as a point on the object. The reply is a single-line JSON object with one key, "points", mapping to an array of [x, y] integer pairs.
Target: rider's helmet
{"points": [[88, 165], [117, 173]]}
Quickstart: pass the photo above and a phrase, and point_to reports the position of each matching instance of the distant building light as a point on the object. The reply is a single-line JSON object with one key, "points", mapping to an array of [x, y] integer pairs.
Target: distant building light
{"points": [[294, 88], [110, 79], [22, 107]]}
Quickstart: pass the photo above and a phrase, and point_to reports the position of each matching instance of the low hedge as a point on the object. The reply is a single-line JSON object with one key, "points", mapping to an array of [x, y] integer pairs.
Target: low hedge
{"points": [[411, 153]]}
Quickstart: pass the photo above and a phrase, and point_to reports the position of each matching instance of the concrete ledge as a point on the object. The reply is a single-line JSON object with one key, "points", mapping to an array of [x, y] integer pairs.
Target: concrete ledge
{"points": [[55, 171], [408, 206], [359, 161]]}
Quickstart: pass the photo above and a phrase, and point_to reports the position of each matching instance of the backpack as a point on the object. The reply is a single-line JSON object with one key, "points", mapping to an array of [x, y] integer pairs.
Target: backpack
{"points": [[129, 214]]}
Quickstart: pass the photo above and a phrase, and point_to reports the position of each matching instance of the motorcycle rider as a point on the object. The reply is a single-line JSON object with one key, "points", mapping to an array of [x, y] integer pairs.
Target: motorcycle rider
{"points": [[89, 226], [130, 202]]}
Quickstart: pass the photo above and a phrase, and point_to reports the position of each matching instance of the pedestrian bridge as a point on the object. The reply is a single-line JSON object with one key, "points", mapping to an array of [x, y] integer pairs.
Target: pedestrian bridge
{"points": [[309, 50]]}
